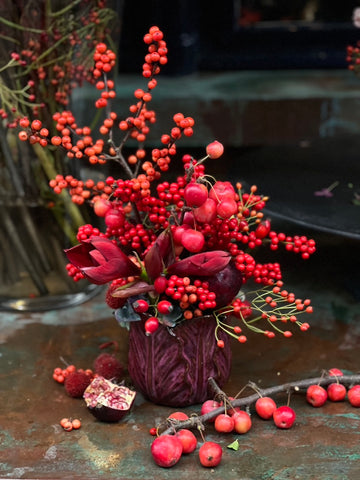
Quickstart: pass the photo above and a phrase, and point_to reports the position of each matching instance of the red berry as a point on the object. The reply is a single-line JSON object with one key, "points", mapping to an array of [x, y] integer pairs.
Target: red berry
{"points": [[335, 372], [166, 450], [265, 407], [336, 392], [210, 454], [164, 307], [140, 306], [160, 284], [354, 396], [316, 395], [151, 325], [284, 417]]}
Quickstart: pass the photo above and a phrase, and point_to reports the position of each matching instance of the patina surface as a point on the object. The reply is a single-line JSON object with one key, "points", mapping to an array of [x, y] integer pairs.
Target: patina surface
{"points": [[323, 444]]}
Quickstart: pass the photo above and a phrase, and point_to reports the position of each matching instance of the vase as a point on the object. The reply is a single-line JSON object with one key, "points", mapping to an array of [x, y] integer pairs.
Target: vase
{"points": [[172, 366], [35, 227]]}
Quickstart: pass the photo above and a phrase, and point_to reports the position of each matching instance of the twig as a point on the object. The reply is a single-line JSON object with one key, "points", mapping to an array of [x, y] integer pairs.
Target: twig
{"points": [[293, 387]]}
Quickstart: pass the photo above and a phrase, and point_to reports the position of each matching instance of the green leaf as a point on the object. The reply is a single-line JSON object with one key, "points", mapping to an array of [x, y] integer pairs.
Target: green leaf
{"points": [[234, 446]]}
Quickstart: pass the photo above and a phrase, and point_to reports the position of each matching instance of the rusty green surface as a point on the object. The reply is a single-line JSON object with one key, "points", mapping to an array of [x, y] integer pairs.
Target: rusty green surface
{"points": [[323, 444]]}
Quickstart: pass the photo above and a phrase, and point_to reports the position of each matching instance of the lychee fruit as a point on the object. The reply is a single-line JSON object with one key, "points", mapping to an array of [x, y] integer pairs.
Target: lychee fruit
{"points": [[108, 366], [76, 383]]}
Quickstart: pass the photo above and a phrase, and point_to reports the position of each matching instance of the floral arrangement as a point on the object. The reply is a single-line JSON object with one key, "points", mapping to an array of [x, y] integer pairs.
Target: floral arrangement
{"points": [[169, 251]]}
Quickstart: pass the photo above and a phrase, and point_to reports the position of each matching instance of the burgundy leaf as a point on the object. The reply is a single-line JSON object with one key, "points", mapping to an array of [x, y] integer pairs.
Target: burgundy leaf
{"points": [[159, 255], [135, 289], [201, 264], [101, 260]]}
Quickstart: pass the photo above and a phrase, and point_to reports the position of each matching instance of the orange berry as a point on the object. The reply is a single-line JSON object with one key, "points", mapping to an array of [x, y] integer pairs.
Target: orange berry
{"points": [[36, 124], [64, 421], [23, 136], [76, 424]]}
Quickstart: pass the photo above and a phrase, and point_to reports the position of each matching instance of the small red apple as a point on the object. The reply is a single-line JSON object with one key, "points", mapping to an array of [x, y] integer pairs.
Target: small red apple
{"points": [[192, 240], [354, 396], [195, 194], [220, 190], [187, 439], [242, 422], [284, 417], [166, 450], [224, 423], [179, 416], [336, 392], [210, 454], [207, 212], [316, 395], [208, 406], [215, 149], [265, 407]]}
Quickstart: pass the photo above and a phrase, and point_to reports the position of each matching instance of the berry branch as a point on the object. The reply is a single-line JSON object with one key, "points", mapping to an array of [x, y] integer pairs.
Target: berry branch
{"points": [[299, 386]]}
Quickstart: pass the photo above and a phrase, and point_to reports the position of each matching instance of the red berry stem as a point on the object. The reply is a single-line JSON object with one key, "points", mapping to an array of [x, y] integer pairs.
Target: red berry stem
{"points": [[299, 386]]}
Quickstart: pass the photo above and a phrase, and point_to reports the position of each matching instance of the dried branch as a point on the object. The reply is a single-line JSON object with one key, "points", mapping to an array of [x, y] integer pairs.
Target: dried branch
{"points": [[292, 387]]}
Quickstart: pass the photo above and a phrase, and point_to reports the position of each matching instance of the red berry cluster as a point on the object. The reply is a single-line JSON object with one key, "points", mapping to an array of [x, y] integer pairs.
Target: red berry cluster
{"points": [[194, 298], [69, 424], [353, 57], [55, 59], [104, 59], [157, 52], [273, 306], [60, 374]]}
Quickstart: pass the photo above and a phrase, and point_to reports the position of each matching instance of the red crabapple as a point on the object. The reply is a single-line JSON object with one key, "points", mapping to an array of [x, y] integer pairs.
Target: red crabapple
{"points": [[206, 213], [335, 372], [195, 194], [316, 395], [215, 149], [224, 423], [178, 416], [192, 240], [265, 407], [187, 439], [336, 392], [354, 396], [166, 450], [208, 406], [242, 422], [210, 454], [284, 417]]}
